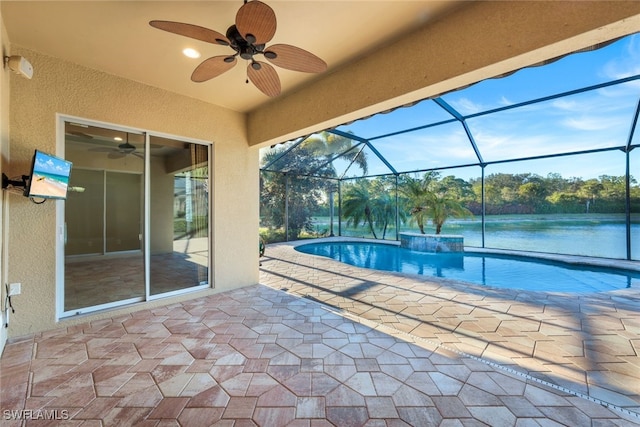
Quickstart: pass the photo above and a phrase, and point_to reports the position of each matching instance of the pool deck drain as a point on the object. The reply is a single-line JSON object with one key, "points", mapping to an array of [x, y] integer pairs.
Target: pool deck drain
{"points": [[587, 345]]}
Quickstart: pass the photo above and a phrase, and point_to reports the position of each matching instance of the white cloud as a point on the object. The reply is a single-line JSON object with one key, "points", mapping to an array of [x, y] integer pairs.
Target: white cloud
{"points": [[591, 123], [567, 105], [504, 101], [626, 65], [466, 106]]}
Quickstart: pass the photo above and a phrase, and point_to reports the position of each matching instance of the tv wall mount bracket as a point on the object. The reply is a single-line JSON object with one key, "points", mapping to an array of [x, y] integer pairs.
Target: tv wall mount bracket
{"points": [[6, 182]]}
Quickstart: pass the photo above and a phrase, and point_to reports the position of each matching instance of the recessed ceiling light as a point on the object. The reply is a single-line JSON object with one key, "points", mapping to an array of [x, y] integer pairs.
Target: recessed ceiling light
{"points": [[117, 138], [191, 53]]}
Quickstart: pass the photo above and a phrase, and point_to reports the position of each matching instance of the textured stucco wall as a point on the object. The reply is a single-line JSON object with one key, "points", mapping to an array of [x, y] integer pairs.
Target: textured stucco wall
{"points": [[62, 87], [4, 153]]}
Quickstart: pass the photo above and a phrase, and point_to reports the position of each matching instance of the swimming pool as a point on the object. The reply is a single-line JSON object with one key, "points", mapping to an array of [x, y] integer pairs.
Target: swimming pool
{"points": [[502, 271]]}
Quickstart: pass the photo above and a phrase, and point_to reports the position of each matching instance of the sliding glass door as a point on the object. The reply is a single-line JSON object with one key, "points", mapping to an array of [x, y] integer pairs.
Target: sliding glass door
{"points": [[137, 219], [179, 216]]}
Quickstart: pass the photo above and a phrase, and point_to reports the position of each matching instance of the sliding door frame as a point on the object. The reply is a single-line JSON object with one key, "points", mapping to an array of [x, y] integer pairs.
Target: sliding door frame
{"points": [[61, 119]]}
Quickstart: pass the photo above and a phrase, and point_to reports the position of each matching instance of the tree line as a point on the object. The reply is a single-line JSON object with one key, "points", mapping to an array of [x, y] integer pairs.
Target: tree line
{"points": [[530, 193], [422, 198]]}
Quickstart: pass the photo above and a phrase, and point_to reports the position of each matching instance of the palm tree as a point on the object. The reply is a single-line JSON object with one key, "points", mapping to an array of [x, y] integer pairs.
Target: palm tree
{"points": [[442, 206], [329, 145], [428, 199], [357, 207], [384, 211], [417, 196], [384, 204], [313, 156]]}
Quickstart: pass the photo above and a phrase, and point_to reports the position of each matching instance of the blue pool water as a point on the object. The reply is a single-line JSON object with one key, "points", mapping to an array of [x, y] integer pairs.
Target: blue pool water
{"points": [[485, 269]]}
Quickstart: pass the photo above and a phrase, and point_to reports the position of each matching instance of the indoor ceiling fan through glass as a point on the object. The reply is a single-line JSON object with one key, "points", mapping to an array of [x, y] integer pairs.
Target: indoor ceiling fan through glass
{"points": [[254, 27]]}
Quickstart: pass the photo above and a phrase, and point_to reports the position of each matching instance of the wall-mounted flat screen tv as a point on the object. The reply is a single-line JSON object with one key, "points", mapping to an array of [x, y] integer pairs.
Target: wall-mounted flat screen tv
{"points": [[49, 177]]}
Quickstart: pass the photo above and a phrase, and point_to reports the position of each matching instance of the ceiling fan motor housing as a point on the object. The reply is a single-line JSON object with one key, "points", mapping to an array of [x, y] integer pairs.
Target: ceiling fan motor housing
{"points": [[245, 48]]}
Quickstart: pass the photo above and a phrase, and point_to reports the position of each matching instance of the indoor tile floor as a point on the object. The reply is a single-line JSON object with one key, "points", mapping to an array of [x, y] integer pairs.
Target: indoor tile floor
{"points": [[321, 344], [122, 277]]}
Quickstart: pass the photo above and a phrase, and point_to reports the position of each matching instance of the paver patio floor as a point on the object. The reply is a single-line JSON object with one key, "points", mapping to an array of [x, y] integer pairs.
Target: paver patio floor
{"points": [[376, 350], [586, 343]]}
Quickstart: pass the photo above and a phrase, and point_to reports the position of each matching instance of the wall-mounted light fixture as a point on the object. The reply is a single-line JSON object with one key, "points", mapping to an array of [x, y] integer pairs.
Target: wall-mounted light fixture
{"points": [[19, 65]]}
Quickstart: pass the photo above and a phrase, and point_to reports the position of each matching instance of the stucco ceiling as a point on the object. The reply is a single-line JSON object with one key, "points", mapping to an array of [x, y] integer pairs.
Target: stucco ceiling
{"points": [[115, 37]]}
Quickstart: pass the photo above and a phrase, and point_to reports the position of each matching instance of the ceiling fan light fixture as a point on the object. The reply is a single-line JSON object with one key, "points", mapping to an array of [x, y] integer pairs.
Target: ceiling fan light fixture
{"points": [[229, 59], [191, 53], [256, 65], [270, 54]]}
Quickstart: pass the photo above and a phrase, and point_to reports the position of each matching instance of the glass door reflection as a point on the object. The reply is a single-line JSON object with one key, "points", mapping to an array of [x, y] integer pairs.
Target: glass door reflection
{"points": [[179, 215], [104, 262]]}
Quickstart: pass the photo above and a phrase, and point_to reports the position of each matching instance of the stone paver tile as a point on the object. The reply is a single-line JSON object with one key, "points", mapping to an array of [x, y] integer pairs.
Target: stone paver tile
{"points": [[420, 416], [169, 408], [122, 416], [521, 407], [260, 383], [408, 396], [98, 408], [446, 384], [174, 386], [384, 384], [381, 407], [274, 416], [494, 416], [200, 417], [237, 385], [450, 407], [240, 407], [215, 396], [276, 397], [539, 396], [147, 398], [611, 396], [310, 407], [347, 416], [345, 396], [322, 383], [363, 383]]}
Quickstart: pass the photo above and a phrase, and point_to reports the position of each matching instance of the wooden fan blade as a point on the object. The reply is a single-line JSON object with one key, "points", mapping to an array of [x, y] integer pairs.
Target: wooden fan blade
{"points": [[103, 149], [266, 79], [212, 67], [192, 31], [296, 59], [257, 19], [116, 155]]}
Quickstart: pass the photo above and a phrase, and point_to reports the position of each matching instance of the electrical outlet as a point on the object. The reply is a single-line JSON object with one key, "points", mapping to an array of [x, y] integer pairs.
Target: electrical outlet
{"points": [[15, 289]]}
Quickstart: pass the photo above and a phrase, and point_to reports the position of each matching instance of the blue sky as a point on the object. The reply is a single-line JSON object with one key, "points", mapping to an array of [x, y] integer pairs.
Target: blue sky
{"points": [[591, 120], [48, 164]]}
